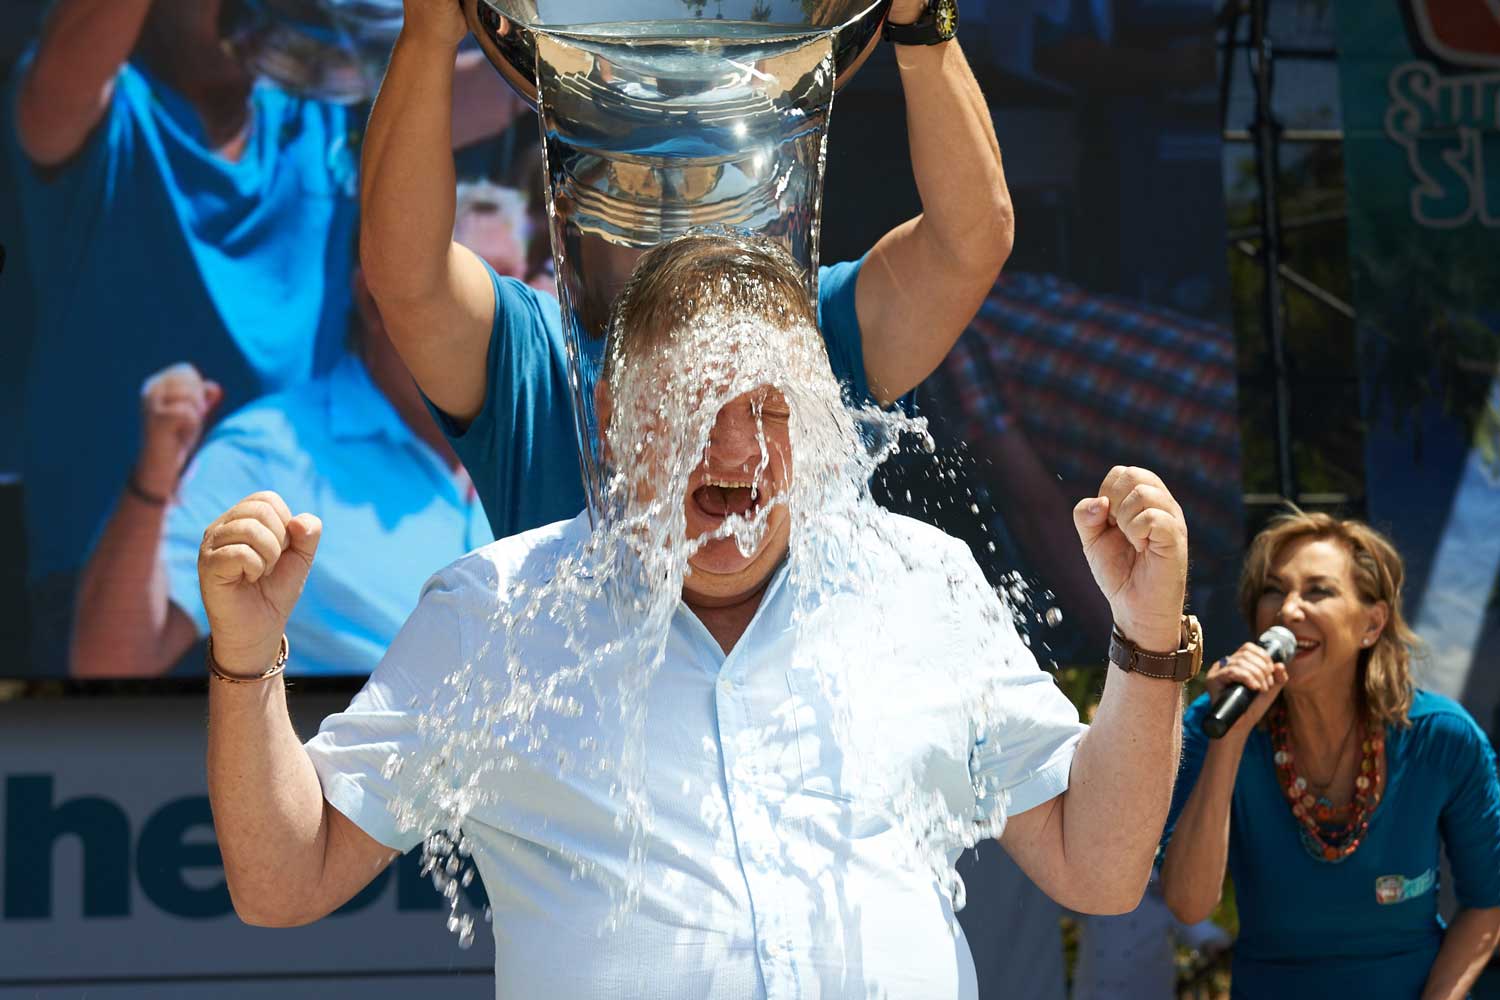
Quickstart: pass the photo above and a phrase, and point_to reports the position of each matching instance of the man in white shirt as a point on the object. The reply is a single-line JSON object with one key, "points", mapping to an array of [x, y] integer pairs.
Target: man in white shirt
{"points": [[801, 720]]}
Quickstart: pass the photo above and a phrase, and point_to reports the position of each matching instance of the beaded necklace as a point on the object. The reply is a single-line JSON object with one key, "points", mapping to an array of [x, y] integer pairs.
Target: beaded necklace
{"points": [[1315, 814]]}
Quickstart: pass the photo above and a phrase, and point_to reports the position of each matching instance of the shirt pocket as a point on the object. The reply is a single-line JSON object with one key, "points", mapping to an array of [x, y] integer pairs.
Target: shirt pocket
{"points": [[820, 761]]}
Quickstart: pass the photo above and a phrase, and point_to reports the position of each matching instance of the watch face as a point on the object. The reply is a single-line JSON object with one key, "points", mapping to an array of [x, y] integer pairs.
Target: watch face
{"points": [[945, 18]]}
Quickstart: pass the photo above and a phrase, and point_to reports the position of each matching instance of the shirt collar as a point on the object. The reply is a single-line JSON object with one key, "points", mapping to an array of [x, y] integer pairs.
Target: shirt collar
{"points": [[357, 408]]}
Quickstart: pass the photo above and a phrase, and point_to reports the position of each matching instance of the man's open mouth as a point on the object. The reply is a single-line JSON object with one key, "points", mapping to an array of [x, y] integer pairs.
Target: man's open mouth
{"points": [[723, 497]]}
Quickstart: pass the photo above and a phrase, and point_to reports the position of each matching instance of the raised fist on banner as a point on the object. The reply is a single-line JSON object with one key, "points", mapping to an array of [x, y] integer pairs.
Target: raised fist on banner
{"points": [[175, 404]]}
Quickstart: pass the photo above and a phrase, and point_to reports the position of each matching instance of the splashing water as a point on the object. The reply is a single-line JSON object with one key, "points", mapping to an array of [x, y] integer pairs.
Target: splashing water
{"points": [[730, 345]]}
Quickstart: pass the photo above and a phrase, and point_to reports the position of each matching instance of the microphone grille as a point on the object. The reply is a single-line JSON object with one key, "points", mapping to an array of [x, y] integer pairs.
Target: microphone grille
{"points": [[1279, 642]]}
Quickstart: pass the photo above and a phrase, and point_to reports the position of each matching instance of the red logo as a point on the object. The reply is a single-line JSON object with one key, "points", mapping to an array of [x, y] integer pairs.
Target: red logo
{"points": [[1464, 34]]}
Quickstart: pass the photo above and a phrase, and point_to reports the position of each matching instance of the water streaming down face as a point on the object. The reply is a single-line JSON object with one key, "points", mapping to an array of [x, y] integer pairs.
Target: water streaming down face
{"points": [[730, 452]]}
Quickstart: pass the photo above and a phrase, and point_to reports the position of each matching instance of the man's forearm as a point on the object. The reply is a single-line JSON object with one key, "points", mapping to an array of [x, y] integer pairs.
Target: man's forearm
{"points": [[1467, 946], [955, 158], [924, 280], [1120, 787], [267, 803], [407, 196], [121, 623], [69, 83]]}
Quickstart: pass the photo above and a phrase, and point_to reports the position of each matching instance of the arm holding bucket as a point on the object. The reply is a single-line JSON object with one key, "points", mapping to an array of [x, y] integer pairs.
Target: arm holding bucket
{"points": [[924, 280], [435, 296], [67, 88]]}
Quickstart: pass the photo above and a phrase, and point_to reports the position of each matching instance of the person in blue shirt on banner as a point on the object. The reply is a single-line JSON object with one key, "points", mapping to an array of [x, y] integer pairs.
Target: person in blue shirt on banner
{"points": [[175, 208], [357, 443], [1331, 799], [489, 353]]}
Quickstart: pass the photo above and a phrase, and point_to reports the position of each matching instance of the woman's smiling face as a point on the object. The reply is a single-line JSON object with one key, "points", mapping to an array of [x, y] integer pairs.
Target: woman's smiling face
{"points": [[1310, 589]]}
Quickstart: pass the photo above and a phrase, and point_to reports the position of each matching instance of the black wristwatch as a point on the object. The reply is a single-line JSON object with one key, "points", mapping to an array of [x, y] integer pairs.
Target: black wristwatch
{"points": [[938, 24]]}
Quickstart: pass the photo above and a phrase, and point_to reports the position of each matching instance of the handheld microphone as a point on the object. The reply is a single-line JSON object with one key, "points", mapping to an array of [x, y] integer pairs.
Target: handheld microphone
{"points": [[1233, 700]]}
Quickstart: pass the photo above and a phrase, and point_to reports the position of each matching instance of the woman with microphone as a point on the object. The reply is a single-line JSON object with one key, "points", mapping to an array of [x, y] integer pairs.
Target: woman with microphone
{"points": [[1330, 797]]}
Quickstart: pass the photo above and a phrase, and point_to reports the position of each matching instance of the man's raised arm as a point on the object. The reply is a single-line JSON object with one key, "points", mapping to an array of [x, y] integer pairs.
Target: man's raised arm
{"points": [[434, 295], [1091, 848], [924, 280], [289, 857], [68, 85]]}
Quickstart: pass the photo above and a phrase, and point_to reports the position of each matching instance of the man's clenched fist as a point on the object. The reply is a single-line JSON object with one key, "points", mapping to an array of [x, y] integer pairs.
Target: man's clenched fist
{"points": [[1136, 542], [175, 403], [251, 568]]}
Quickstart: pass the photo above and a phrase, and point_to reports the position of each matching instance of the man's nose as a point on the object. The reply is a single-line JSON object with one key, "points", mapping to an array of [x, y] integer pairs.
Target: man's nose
{"points": [[735, 441]]}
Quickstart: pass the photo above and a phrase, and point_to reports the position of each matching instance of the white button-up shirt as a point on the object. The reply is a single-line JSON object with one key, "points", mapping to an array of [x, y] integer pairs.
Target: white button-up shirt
{"points": [[773, 867]]}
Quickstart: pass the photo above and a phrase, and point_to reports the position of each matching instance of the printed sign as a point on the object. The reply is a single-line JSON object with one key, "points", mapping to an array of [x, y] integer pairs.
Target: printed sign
{"points": [[112, 878], [1420, 83]]}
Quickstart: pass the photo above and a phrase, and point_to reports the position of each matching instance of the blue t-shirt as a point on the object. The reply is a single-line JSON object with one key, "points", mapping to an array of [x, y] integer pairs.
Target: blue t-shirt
{"points": [[392, 510], [147, 249], [522, 449], [1369, 925]]}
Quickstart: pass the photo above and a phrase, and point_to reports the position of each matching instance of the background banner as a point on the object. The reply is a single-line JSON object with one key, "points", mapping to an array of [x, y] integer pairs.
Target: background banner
{"points": [[1421, 106], [1104, 341]]}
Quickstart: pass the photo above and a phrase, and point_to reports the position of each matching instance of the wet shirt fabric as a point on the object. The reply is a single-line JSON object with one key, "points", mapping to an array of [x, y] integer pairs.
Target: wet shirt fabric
{"points": [[1368, 925], [146, 249], [522, 448], [390, 505], [770, 869]]}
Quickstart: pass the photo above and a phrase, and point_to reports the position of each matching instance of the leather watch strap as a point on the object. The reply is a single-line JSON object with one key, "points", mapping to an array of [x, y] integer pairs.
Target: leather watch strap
{"points": [[1179, 665]]}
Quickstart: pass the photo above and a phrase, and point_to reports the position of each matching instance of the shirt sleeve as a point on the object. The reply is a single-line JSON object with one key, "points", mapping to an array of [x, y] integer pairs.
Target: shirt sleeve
{"points": [[1023, 756], [838, 319], [1470, 820], [373, 760], [526, 379], [51, 191]]}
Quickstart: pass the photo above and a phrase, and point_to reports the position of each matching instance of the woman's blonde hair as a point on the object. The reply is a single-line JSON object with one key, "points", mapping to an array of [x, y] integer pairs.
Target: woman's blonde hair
{"points": [[1385, 668]]}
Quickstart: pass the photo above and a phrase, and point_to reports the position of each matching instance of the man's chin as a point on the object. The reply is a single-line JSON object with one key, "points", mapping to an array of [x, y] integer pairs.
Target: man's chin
{"points": [[721, 559]]}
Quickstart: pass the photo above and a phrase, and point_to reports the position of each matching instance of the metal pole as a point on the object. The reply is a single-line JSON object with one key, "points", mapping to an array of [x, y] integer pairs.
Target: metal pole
{"points": [[1229, 19], [1267, 135]]}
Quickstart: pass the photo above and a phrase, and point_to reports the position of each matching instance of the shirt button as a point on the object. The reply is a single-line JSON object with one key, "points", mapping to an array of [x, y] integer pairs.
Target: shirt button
{"points": [[726, 685]]}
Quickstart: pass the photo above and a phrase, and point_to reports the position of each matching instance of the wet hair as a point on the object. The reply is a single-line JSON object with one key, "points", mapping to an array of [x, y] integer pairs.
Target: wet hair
{"points": [[1385, 684], [681, 280]]}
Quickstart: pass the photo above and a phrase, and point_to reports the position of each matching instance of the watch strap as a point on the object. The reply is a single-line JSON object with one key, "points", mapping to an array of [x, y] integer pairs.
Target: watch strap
{"points": [[1179, 665], [937, 24]]}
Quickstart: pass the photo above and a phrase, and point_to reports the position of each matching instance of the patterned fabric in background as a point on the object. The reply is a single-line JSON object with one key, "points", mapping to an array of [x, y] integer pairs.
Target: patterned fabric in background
{"points": [[1095, 381]]}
